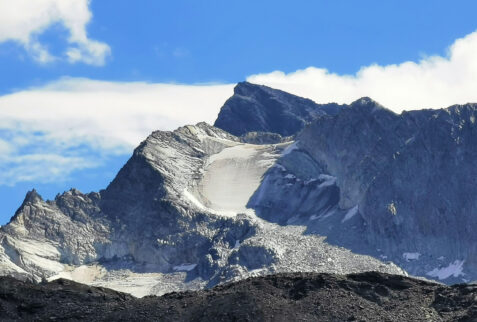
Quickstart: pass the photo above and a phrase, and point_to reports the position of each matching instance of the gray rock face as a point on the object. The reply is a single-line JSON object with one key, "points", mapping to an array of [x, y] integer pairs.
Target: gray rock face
{"points": [[398, 187], [174, 218], [264, 138], [352, 186], [258, 108], [423, 199]]}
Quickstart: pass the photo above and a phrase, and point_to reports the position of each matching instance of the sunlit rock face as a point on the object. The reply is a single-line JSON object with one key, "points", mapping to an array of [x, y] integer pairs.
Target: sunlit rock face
{"points": [[175, 217]]}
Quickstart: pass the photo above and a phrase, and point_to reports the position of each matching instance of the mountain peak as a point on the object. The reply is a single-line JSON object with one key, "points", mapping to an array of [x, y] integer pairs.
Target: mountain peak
{"points": [[244, 88], [367, 104], [32, 197], [365, 101], [258, 108]]}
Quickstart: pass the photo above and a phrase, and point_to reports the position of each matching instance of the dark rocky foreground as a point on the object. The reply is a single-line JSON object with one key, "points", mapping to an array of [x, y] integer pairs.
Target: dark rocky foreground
{"points": [[283, 297]]}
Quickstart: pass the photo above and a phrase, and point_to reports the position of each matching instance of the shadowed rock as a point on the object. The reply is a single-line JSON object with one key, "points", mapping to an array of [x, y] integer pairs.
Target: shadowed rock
{"points": [[258, 108], [282, 297]]}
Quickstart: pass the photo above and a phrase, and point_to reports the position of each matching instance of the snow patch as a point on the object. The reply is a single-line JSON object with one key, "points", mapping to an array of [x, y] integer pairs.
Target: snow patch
{"points": [[289, 149], [328, 180], [257, 272], [323, 216], [193, 199], [233, 175], [453, 269], [350, 214], [410, 140], [307, 182], [411, 256], [184, 267], [80, 198], [86, 274], [240, 151], [326, 177], [292, 220]]}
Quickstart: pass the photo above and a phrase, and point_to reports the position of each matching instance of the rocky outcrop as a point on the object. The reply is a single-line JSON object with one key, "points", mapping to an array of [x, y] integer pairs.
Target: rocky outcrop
{"points": [[258, 108], [282, 297], [43, 236]]}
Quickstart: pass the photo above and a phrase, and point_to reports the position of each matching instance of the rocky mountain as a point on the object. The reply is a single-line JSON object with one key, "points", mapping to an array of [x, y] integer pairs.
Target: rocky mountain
{"points": [[397, 187], [282, 297], [258, 108], [411, 178], [344, 189], [174, 218]]}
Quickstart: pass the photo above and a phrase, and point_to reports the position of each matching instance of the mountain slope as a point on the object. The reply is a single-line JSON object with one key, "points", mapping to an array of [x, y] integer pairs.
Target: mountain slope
{"points": [[174, 218], [282, 297], [356, 187], [400, 187]]}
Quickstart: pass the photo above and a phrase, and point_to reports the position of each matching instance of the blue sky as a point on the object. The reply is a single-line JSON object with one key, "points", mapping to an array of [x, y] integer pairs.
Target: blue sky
{"points": [[81, 87], [225, 41]]}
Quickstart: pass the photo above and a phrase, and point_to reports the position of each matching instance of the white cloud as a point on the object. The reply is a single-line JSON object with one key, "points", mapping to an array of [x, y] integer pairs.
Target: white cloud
{"points": [[81, 119], [50, 131], [5, 148], [433, 82], [23, 21], [108, 115]]}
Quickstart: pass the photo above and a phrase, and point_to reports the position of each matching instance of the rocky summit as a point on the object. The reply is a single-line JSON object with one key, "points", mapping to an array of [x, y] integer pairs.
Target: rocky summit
{"points": [[281, 297], [258, 108], [280, 184]]}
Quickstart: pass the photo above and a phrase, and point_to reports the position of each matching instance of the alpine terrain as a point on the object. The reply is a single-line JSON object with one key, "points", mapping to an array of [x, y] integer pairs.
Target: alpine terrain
{"points": [[279, 184]]}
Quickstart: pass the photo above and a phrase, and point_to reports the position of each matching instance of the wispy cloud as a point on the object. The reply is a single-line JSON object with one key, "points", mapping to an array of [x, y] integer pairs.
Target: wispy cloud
{"points": [[42, 168], [23, 21], [433, 82], [73, 124], [48, 132]]}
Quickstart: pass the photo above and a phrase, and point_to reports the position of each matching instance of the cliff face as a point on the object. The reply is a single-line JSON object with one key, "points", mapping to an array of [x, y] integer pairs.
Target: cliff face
{"points": [[258, 108], [174, 218], [423, 200], [410, 178]]}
